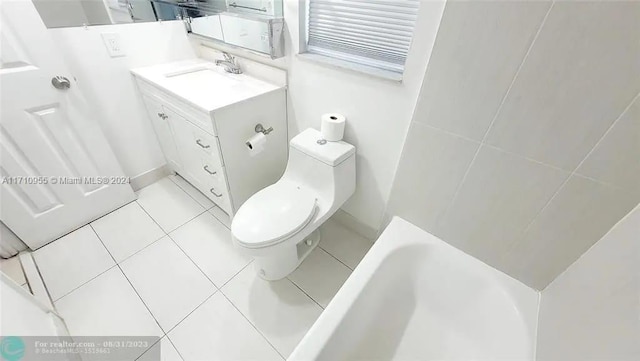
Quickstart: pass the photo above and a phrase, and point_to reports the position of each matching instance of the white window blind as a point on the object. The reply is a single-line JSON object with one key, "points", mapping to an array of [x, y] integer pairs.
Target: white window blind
{"points": [[370, 32]]}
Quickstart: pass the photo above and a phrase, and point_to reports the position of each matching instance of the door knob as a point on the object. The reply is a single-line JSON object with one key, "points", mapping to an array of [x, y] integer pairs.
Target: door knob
{"points": [[60, 82]]}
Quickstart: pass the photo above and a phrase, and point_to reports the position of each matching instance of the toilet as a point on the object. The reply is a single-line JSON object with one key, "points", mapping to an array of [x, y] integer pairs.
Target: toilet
{"points": [[278, 226]]}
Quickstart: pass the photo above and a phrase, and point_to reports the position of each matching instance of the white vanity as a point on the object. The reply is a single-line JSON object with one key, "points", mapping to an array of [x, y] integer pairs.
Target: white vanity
{"points": [[203, 117]]}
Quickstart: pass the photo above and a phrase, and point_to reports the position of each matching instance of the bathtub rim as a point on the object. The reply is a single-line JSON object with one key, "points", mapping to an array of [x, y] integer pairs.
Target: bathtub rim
{"points": [[401, 233]]}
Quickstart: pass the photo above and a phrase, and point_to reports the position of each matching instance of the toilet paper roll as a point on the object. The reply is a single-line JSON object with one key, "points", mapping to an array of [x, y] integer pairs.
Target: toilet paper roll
{"points": [[255, 145], [332, 128]]}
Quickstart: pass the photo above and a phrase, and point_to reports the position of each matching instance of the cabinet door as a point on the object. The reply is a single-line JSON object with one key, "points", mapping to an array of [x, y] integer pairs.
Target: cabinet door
{"points": [[164, 132]]}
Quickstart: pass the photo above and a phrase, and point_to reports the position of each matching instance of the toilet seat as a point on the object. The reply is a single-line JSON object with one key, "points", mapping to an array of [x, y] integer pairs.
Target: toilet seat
{"points": [[273, 214]]}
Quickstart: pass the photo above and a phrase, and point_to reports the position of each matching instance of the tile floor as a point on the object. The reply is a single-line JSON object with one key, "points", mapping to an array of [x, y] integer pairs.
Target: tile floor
{"points": [[164, 265]]}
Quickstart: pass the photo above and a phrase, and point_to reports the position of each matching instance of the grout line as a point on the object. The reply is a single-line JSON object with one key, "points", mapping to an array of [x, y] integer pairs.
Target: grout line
{"points": [[131, 284], [253, 325], [237, 273], [192, 261], [84, 283], [165, 231], [190, 196], [336, 258], [486, 133], [218, 219], [303, 291], [149, 348], [173, 344], [189, 314], [575, 174]]}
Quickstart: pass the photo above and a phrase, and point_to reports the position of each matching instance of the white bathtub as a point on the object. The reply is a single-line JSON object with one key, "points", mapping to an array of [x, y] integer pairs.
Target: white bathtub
{"points": [[414, 297]]}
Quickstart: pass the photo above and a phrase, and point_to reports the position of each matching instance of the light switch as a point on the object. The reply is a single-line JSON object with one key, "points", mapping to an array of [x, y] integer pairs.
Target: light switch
{"points": [[113, 44]]}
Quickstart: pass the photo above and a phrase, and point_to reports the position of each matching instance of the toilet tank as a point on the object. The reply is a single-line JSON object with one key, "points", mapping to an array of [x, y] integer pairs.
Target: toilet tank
{"points": [[326, 167]]}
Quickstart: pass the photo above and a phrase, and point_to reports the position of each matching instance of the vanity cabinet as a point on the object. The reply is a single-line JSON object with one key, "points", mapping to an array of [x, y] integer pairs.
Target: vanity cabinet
{"points": [[204, 139]]}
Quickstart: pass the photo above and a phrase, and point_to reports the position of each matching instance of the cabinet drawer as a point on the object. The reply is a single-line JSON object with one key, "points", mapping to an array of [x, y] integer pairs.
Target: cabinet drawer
{"points": [[207, 144], [212, 173], [217, 193]]}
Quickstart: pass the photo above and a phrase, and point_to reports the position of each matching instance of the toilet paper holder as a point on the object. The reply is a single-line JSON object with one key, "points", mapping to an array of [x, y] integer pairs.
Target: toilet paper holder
{"points": [[260, 129]]}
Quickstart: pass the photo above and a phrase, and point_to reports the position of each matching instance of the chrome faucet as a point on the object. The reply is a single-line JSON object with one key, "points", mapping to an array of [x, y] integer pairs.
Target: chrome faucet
{"points": [[229, 64]]}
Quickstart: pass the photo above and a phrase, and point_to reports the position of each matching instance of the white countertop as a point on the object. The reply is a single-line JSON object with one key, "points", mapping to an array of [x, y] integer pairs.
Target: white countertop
{"points": [[203, 84]]}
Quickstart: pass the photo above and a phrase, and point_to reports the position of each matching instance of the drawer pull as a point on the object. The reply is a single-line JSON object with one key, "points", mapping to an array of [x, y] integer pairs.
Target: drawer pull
{"points": [[212, 190], [206, 169], [199, 142]]}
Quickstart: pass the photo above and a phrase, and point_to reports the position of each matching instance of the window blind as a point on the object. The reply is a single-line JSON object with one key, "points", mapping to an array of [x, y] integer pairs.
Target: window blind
{"points": [[370, 32]]}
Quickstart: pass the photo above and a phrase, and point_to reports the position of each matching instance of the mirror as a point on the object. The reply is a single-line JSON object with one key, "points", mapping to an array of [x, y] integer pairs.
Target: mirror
{"points": [[253, 24]]}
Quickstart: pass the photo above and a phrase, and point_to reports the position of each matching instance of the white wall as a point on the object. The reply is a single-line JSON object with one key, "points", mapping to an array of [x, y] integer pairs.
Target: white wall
{"points": [[110, 89], [592, 310], [525, 145], [378, 111]]}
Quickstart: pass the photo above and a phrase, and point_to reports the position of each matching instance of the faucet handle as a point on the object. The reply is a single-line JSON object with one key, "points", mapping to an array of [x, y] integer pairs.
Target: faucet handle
{"points": [[228, 57]]}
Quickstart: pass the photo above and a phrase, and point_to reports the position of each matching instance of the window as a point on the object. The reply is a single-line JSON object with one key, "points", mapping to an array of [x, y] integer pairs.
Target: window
{"points": [[375, 33]]}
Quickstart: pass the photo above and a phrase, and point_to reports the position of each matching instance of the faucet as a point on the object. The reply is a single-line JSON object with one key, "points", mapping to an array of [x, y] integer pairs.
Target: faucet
{"points": [[229, 63]]}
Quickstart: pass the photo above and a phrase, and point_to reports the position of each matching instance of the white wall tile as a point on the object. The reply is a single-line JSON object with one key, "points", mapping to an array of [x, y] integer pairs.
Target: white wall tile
{"points": [[579, 76], [580, 214], [432, 166], [616, 159], [590, 312], [479, 48], [500, 196]]}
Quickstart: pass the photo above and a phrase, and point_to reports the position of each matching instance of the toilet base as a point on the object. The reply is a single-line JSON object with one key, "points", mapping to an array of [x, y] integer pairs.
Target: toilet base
{"points": [[280, 265]]}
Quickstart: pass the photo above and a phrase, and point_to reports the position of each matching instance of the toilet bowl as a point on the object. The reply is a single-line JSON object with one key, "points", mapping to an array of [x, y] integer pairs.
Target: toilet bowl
{"points": [[278, 226]]}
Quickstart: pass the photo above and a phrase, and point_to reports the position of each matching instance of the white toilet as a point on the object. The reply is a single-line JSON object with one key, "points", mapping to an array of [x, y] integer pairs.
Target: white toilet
{"points": [[278, 225]]}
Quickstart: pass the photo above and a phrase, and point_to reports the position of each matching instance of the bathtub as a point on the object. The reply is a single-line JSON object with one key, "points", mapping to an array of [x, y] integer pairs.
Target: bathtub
{"points": [[414, 297]]}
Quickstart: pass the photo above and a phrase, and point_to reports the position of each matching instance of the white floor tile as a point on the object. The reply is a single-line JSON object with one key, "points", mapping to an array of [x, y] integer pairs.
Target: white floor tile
{"points": [[168, 205], [217, 331], [167, 281], [71, 261], [222, 216], [344, 244], [192, 191], [208, 243], [107, 306], [278, 309], [320, 276], [127, 230], [161, 351], [12, 268]]}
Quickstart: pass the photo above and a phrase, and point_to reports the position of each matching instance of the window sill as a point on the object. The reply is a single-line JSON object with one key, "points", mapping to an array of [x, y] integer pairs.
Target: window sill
{"points": [[350, 66]]}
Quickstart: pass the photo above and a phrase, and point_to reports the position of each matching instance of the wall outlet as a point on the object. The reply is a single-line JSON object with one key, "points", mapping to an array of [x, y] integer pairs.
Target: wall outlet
{"points": [[113, 44]]}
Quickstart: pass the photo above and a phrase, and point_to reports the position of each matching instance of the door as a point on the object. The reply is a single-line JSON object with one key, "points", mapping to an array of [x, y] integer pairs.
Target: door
{"points": [[57, 171], [164, 132]]}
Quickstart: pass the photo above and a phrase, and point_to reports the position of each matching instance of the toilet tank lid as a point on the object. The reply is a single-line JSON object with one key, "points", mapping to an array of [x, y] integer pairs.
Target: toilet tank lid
{"points": [[331, 153]]}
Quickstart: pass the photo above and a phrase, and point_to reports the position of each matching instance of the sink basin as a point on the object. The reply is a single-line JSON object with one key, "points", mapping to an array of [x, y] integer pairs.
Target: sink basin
{"points": [[204, 84]]}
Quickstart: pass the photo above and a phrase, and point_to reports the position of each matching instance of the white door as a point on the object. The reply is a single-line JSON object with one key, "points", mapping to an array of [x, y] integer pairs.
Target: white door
{"points": [[48, 136]]}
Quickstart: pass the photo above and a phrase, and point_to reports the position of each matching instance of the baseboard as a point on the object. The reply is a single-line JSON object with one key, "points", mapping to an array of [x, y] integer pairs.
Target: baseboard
{"points": [[354, 224], [149, 177]]}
